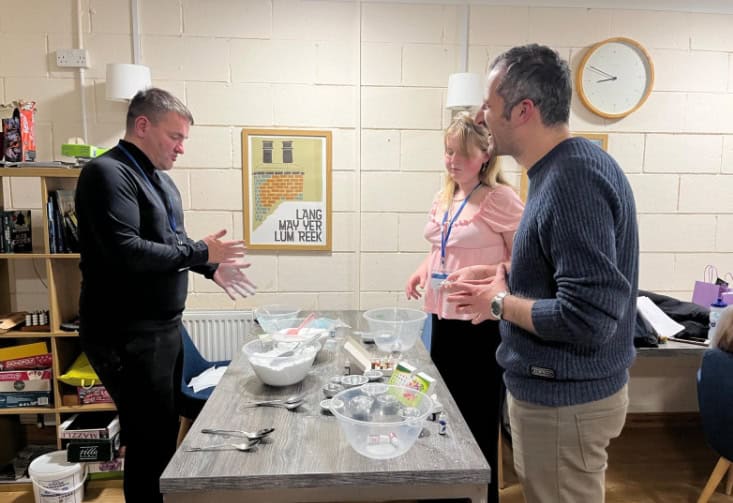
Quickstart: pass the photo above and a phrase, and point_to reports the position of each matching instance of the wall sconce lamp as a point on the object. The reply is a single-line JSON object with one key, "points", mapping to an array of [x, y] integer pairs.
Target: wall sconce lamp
{"points": [[465, 90], [125, 80]]}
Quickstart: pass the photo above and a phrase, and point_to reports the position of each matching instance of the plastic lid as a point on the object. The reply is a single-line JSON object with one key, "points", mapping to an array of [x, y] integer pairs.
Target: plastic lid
{"points": [[719, 303], [54, 465]]}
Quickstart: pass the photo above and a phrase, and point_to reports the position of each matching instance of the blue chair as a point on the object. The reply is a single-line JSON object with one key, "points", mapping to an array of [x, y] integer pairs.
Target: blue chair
{"points": [[193, 365], [427, 332], [715, 398]]}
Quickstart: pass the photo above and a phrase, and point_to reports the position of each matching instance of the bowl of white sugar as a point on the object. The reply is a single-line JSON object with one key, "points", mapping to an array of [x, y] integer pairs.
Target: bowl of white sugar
{"points": [[276, 370]]}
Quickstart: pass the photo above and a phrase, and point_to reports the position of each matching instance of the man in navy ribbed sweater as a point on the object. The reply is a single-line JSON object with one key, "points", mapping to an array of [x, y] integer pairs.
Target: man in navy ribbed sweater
{"points": [[568, 307]]}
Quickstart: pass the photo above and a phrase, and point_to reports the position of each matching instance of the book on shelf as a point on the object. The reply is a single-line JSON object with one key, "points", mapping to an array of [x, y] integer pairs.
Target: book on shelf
{"points": [[16, 236], [52, 239], [20, 231], [62, 222]]}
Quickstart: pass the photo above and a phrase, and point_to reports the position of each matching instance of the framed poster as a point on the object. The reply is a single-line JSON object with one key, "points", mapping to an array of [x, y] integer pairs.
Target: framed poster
{"points": [[600, 139], [286, 178]]}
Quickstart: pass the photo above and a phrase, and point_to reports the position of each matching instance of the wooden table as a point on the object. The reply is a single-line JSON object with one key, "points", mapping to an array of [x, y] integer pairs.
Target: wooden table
{"points": [[672, 349], [308, 458]]}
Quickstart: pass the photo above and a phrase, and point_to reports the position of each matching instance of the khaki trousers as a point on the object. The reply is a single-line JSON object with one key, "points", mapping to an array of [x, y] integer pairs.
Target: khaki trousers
{"points": [[560, 452]]}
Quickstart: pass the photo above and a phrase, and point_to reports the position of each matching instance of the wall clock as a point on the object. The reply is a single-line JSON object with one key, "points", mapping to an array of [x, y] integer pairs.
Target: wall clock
{"points": [[615, 77]]}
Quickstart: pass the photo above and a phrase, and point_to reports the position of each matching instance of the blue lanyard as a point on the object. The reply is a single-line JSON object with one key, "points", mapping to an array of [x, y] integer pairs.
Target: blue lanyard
{"points": [[169, 207], [445, 232]]}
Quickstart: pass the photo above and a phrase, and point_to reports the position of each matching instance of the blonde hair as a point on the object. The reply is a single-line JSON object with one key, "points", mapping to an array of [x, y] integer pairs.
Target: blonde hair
{"points": [[469, 134], [723, 337]]}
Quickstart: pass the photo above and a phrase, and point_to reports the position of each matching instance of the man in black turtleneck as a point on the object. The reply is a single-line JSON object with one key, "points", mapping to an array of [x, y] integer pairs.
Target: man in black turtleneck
{"points": [[135, 257]]}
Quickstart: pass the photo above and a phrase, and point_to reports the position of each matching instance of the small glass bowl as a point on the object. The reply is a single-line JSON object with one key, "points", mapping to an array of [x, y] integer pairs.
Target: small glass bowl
{"points": [[373, 374], [331, 388], [353, 380]]}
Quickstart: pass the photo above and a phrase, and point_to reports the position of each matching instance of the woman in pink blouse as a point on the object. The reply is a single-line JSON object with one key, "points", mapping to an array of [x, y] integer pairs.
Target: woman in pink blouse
{"points": [[471, 223]]}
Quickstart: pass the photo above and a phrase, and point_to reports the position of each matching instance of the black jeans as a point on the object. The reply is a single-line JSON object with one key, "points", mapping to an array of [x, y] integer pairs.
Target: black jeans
{"points": [[465, 355], [141, 369]]}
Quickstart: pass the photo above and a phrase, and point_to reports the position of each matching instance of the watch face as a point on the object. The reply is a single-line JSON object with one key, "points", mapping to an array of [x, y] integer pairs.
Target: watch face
{"points": [[497, 305], [616, 77]]}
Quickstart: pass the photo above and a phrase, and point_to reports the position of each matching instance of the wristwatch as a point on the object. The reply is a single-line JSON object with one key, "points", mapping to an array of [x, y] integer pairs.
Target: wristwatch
{"points": [[497, 305]]}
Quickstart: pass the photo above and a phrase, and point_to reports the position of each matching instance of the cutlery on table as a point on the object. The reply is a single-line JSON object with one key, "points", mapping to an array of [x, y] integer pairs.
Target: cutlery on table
{"points": [[224, 447], [282, 401], [251, 435]]}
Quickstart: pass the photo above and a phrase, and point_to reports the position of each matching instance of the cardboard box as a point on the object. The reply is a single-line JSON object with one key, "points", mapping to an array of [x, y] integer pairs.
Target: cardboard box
{"points": [[113, 465], [23, 350], [19, 137], [101, 470], [27, 363], [95, 425], [81, 150], [30, 399], [93, 394], [98, 449], [21, 381]]}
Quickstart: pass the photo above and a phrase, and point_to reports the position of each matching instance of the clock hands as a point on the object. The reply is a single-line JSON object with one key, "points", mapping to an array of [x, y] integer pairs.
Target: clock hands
{"points": [[607, 80], [605, 74]]}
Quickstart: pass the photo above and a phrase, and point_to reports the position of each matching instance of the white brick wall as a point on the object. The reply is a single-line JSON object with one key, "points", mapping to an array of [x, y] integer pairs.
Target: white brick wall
{"points": [[375, 74]]}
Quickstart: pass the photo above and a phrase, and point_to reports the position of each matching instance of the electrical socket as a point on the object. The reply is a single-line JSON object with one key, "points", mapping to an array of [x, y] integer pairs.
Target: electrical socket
{"points": [[73, 58]]}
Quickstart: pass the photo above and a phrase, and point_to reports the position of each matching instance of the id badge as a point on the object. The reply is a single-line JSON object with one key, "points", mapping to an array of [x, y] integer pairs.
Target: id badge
{"points": [[436, 279]]}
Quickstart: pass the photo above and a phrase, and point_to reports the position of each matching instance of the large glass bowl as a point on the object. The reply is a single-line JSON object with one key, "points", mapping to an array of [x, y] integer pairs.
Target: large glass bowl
{"points": [[395, 329], [274, 317], [381, 421], [278, 370]]}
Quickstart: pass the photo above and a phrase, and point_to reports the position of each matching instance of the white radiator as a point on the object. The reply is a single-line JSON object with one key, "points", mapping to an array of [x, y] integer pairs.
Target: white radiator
{"points": [[218, 335]]}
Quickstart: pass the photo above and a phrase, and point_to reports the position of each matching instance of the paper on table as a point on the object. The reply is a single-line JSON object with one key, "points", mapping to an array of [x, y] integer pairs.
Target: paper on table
{"points": [[206, 379], [663, 325]]}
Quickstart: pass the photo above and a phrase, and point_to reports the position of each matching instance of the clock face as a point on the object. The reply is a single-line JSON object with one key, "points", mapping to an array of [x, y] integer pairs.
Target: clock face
{"points": [[615, 77]]}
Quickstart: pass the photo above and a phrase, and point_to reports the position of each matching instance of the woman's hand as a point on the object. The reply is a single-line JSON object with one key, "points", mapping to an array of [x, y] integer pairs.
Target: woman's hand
{"points": [[415, 281], [473, 273]]}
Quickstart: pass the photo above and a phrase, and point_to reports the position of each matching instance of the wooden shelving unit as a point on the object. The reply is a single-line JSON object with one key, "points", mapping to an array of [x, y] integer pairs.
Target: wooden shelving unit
{"points": [[63, 279]]}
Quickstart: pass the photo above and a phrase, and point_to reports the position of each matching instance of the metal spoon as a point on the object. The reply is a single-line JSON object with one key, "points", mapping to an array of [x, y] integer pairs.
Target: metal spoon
{"points": [[284, 405], [223, 447], [254, 435], [281, 401], [299, 346]]}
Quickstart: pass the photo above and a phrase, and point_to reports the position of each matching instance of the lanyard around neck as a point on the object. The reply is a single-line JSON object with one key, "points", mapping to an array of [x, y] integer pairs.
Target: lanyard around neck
{"points": [[168, 207], [445, 230]]}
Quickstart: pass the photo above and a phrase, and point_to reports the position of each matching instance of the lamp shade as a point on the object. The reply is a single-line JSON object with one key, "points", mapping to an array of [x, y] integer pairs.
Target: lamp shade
{"points": [[465, 90], [125, 80]]}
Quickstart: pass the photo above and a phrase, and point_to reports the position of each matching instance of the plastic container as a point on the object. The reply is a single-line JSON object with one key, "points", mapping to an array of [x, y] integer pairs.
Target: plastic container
{"points": [[272, 317], [395, 328], [280, 370], [381, 421], [716, 309], [55, 479]]}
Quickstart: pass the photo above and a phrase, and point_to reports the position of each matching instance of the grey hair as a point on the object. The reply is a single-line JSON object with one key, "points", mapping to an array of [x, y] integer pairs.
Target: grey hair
{"points": [[154, 103], [537, 73]]}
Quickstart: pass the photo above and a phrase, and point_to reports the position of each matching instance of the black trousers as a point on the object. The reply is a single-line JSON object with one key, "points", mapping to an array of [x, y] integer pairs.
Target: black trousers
{"points": [[465, 355], [141, 369]]}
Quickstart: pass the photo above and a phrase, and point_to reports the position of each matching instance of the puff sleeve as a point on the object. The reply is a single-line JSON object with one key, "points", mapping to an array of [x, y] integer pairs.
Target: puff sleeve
{"points": [[501, 209]]}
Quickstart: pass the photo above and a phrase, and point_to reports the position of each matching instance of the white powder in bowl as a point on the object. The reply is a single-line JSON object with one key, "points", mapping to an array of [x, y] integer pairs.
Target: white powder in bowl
{"points": [[283, 371]]}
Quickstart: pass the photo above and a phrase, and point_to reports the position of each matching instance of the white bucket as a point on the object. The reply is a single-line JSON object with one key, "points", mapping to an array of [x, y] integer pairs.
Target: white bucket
{"points": [[56, 480]]}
